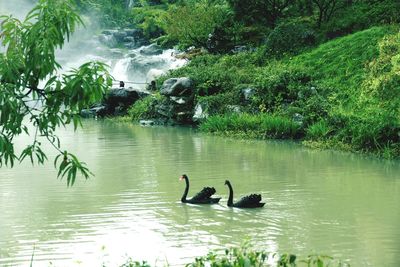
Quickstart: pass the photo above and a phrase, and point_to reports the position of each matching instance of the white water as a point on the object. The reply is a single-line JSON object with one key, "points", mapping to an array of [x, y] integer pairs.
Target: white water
{"points": [[127, 65]]}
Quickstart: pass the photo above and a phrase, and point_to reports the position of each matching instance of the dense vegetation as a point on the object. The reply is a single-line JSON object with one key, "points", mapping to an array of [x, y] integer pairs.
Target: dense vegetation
{"points": [[323, 71]]}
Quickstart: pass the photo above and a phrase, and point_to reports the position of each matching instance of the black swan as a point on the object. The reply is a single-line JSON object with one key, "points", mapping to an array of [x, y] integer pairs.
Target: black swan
{"points": [[203, 197], [250, 201]]}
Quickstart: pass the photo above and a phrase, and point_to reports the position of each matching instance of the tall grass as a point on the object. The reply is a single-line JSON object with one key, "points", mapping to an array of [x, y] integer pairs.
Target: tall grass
{"points": [[318, 130], [259, 125]]}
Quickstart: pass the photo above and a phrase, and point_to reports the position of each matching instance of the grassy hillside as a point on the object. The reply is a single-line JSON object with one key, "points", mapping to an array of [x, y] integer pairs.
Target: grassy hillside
{"points": [[341, 62], [322, 90]]}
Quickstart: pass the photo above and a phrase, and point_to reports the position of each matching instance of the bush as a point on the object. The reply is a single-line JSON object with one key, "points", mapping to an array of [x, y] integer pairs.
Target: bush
{"points": [[289, 38], [214, 74], [220, 103], [367, 132], [362, 15], [278, 85], [143, 108], [191, 22], [149, 19]]}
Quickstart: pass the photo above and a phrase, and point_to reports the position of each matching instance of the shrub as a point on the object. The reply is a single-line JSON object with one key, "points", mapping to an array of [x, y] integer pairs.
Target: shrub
{"points": [[367, 132], [289, 38], [143, 108], [362, 15], [277, 85], [220, 103], [191, 22], [149, 19]]}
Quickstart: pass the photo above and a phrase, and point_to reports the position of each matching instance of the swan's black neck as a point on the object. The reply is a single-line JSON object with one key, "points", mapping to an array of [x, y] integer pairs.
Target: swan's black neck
{"points": [[185, 193], [230, 199]]}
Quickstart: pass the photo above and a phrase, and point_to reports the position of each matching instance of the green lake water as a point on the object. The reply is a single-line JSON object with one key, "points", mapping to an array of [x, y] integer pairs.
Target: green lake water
{"points": [[324, 202]]}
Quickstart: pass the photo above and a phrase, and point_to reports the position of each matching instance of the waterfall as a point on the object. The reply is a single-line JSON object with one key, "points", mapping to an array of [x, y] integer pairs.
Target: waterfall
{"points": [[135, 64]]}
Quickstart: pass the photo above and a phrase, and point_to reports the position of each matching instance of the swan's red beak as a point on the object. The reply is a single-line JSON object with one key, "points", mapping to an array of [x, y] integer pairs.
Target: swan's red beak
{"points": [[181, 178]]}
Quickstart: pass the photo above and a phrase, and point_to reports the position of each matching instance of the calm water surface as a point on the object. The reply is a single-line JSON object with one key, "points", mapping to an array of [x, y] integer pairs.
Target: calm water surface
{"points": [[322, 202]]}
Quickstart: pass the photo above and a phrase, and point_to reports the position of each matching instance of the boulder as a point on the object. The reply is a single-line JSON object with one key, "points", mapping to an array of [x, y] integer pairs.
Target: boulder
{"points": [[129, 39], [123, 97], [87, 113], [108, 40], [146, 122], [120, 36], [177, 87], [151, 50], [234, 108], [248, 93], [165, 109], [298, 118], [239, 49], [180, 100], [109, 32], [95, 111], [200, 113], [144, 64]]}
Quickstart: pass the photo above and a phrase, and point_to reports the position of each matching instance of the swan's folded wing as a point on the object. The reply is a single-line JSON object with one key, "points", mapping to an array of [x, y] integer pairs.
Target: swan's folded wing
{"points": [[250, 199], [206, 193]]}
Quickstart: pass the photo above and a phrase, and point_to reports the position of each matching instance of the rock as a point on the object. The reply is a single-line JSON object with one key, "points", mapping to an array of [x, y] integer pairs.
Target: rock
{"points": [[234, 108], [200, 113], [146, 122], [116, 53], [87, 113], [298, 118], [144, 64], [165, 109], [129, 39], [132, 55], [239, 49], [109, 32], [123, 97], [151, 50], [100, 110], [96, 111], [179, 100], [137, 33], [177, 87], [248, 93], [108, 40], [120, 35]]}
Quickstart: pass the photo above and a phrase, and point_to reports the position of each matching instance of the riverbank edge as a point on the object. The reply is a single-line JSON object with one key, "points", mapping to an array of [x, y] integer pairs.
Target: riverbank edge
{"points": [[322, 145]]}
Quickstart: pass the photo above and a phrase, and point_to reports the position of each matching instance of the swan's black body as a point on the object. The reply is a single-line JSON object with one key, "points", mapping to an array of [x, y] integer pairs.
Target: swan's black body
{"points": [[203, 197], [250, 201]]}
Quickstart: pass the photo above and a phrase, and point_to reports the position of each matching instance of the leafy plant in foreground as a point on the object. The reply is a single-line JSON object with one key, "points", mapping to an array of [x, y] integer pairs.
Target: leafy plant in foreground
{"points": [[31, 90]]}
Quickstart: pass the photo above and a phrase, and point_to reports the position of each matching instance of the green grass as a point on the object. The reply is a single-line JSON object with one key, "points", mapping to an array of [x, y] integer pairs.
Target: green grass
{"points": [[259, 126], [318, 130], [341, 63]]}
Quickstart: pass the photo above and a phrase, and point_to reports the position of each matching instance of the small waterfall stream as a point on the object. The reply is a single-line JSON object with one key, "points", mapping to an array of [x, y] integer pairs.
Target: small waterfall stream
{"points": [[136, 63], [135, 66]]}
